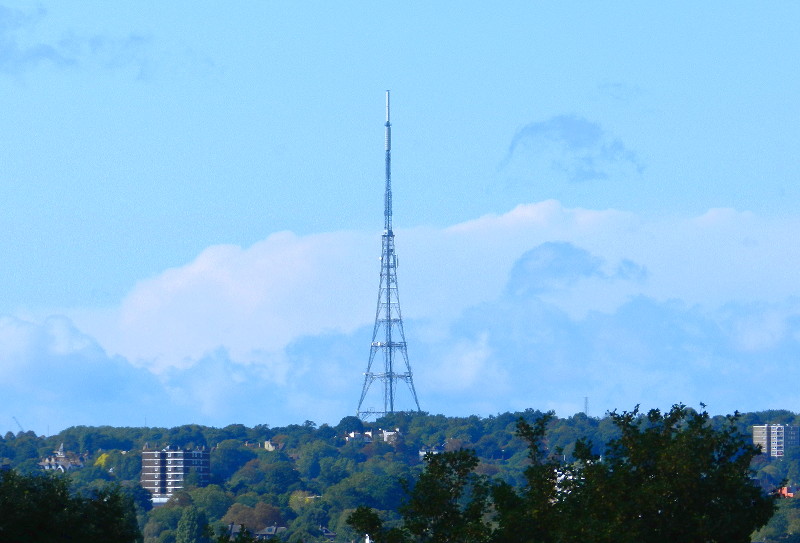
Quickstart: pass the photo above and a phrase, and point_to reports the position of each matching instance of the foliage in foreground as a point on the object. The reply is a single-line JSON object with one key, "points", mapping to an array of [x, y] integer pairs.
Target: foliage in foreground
{"points": [[668, 477], [42, 508]]}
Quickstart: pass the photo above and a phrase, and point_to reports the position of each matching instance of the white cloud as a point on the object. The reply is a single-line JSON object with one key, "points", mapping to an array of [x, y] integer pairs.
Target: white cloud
{"points": [[251, 301], [255, 301], [619, 307], [54, 375], [467, 364]]}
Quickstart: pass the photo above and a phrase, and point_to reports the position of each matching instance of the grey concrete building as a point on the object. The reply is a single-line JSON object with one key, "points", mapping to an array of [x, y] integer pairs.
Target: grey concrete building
{"points": [[774, 439], [165, 471]]}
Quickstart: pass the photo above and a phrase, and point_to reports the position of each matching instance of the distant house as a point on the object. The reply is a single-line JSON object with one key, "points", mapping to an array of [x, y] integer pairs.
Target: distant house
{"points": [[270, 446], [368, 436], [327, 534], [164, 472], [359, 437], [270, 532], [61, 461], [434, 449], [786, 492], [390, 436]]}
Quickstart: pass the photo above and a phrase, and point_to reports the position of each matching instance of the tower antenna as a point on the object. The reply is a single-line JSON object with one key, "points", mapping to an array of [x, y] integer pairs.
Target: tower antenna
{"points": [[388, 336]]}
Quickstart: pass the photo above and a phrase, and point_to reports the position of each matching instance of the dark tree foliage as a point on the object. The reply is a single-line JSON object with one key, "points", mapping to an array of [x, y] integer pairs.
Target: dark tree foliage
{"points": [[534, 512], [42, 508], [349, 424], [669, 477], [448, 502], [364, 521], [192, 527]]}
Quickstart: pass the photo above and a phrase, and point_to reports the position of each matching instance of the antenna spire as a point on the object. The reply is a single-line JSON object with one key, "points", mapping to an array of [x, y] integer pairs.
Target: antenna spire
{"points": [[388, 195]]}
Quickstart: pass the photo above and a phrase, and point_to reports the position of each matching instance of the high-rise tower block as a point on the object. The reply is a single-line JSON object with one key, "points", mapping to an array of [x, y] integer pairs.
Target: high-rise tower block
{"points": [[388, 337]]}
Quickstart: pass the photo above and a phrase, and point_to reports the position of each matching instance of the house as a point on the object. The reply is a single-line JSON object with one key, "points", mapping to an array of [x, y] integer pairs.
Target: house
{"points": [[359, 437], [61, 461], [786, 492], [434, 449], [270, 532], [390, 436], [270, 446], [368, 436]]}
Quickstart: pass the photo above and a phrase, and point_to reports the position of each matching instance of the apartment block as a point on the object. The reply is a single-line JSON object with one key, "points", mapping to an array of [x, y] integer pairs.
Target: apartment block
{"points": [[774, 439], [165, 472]]}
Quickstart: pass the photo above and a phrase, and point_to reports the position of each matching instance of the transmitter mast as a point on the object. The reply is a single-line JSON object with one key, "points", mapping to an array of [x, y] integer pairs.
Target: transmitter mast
{"points": [[388, 337]]}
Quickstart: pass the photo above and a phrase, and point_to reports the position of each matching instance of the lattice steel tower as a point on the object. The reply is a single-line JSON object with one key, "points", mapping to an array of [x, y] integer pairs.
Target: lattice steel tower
{"points": [[388, 337]]}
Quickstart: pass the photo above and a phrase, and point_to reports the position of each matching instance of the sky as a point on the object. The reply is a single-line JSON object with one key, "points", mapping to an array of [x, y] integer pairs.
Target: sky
{"points": [[595, 205]]}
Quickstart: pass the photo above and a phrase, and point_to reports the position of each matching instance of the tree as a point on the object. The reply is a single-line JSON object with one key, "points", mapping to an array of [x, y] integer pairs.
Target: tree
{"points": [[365, 521], [228, 457], [533, 514], [668, 477], [662, 477], [212, 500], [193, 527], [349, 424], [254, 518], [449, 501], [106, 514]]}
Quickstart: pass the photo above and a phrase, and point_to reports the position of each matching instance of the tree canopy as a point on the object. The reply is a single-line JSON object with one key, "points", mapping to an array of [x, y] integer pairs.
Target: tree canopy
{"points": [[43, 508], [297, 479], [667, 477]]}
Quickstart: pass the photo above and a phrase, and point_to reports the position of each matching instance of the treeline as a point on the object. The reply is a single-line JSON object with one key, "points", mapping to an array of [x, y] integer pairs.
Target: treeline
{"points": [[667, 477], [316, 478]]}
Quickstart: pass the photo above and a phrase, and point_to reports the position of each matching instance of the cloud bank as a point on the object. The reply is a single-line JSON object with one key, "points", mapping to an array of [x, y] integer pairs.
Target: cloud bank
{"points": [[539, 307]]}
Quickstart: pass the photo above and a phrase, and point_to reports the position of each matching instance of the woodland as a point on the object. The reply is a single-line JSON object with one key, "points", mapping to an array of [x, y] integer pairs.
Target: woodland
{"points": [[322, 487]]}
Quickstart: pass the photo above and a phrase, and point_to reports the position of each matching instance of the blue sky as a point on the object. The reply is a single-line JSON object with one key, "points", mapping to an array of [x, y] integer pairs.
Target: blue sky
{"points": [[590, 201]]}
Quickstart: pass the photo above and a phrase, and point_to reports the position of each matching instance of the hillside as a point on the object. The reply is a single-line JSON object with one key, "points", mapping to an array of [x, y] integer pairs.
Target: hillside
{"points": [[305, 476]]}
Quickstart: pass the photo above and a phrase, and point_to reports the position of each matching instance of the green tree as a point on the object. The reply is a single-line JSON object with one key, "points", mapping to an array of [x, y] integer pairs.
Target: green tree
{"points": [[228, 457], [365, 521], [534, 513], [349, 424], [448, 502], [212, 500], [253, 518], [42, 508], [162, 523], [193, 527], [668, 477]]}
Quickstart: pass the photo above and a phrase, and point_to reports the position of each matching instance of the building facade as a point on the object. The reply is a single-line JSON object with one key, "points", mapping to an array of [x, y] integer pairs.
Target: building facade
{"points": [[774, 439], [165, 472]]}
